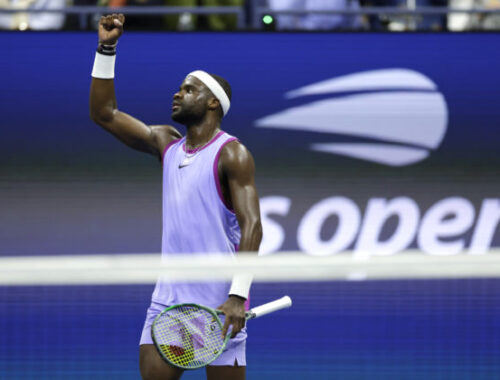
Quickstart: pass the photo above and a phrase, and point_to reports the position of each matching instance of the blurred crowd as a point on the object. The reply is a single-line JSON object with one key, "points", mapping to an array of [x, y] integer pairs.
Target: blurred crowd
{"points": [[311, 19]]}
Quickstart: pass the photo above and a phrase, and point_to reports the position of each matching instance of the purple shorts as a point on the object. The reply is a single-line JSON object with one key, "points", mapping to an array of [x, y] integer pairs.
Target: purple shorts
{"points": [[234, 353]]}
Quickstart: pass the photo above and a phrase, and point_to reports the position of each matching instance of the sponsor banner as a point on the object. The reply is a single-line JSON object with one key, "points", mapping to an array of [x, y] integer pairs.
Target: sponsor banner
{"points": [[443, 229], [373, 143]]}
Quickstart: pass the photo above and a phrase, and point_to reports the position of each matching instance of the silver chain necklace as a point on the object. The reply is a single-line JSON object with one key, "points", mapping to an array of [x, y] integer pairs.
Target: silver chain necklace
{"points": [[189, 157]]}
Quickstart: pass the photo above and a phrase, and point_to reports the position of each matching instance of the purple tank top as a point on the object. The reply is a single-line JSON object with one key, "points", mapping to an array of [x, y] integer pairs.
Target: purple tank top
{"points": [[195, 218]]}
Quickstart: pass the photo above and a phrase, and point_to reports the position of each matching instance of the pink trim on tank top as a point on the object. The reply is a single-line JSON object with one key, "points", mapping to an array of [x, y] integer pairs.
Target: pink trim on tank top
{"points": [[166, 148], [216, 173], [214, 139]]}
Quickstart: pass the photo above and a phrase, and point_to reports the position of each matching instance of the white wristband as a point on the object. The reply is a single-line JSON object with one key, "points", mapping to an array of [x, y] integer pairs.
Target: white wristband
{"points": [[241, 285], [104, 66]]}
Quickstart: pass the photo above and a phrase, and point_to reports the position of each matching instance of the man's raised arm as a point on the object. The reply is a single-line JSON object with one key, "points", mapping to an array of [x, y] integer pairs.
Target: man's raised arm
{"points": [[103, 107]]}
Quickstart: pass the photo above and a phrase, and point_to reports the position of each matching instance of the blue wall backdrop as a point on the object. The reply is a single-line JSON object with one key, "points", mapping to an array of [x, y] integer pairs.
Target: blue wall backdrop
{"points": [[403, 126], [367, 142]]}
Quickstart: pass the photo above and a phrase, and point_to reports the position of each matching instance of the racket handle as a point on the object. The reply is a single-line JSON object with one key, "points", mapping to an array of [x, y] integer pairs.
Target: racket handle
{"points": [[269, 307]]}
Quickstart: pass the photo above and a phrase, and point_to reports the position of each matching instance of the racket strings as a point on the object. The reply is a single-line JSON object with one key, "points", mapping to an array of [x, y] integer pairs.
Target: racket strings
{"points": [[188, 336]]}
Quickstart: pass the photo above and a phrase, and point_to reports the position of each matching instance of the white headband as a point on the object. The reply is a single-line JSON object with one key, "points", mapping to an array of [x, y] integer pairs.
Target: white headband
{"points": [[215, 87]]}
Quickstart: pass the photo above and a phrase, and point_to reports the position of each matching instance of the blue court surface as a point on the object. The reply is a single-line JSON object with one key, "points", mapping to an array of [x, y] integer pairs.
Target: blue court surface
{"points": [[432, 329]]}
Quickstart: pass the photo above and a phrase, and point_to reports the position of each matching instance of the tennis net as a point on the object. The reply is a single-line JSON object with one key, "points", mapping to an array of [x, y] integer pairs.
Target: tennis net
{"points": [[408, 316]]}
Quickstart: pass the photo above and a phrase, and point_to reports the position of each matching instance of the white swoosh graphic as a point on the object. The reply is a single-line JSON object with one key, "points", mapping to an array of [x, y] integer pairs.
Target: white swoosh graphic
{"points": [[403, 117], [368, 80], [381, 153]]}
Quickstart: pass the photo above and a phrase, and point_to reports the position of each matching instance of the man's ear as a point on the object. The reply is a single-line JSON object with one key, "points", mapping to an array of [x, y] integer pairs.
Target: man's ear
{"points": [[213, 104]]}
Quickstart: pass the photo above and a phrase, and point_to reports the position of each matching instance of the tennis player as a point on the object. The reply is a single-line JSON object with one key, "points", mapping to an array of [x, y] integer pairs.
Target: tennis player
{"points": [[210, 202]]}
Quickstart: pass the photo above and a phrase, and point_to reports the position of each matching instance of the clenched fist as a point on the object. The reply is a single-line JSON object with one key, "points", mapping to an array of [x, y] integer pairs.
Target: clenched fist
{"points": [[110, 28]]}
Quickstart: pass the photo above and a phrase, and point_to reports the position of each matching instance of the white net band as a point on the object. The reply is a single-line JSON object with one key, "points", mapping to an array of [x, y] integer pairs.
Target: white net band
{"points": [[292, 266]]}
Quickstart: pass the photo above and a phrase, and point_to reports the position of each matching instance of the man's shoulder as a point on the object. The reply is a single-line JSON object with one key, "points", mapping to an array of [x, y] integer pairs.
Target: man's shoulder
{"points": [[233, 147], [235, 156], [163, 136], [166, 131]]}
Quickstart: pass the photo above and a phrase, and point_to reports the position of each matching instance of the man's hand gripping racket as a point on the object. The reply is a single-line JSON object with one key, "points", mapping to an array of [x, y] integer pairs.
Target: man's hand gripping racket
{"points": [[190, 336]]}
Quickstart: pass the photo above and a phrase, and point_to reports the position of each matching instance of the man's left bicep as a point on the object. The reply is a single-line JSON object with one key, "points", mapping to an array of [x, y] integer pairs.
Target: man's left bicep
{"points": [[240, 172], [246, 207], [245, 199], [241, 181], [246, 203]]}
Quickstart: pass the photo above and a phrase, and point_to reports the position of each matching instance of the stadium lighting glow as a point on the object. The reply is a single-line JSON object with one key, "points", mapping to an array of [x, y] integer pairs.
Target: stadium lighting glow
{"points": [[267, 19]]}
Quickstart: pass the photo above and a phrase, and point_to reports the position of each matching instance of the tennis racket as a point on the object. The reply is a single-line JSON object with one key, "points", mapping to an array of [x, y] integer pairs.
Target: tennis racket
{"points": [[189, 336]]}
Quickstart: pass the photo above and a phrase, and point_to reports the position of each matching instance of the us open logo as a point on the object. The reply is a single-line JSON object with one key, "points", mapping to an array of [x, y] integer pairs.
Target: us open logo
{"points": [[399, 113]]}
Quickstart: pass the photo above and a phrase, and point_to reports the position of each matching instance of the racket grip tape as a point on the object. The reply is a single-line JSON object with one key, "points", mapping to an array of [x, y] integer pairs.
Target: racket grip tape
{"points": [[270, 307]]}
